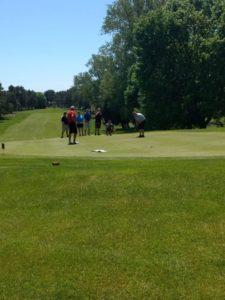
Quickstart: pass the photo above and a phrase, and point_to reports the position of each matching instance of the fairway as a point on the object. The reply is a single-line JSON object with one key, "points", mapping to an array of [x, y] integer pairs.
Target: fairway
{"points": [[37, 134], [124, 227]]}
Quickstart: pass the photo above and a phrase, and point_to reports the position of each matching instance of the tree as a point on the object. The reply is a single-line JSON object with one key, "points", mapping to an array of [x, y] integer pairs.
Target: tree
{"points": [[31, 99], [85, 90], [180, 64], [41, 101], [120, 21], [50, 97], [3, 104]]}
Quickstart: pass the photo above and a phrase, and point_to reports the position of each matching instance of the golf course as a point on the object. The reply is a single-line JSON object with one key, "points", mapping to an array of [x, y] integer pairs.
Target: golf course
{"points": [[37, 133], [144, 220]]}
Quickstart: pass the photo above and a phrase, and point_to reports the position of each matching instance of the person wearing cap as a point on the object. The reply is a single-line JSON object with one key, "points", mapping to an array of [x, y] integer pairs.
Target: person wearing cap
{"points": [[98, 121], [140, 123], [71, 117]]}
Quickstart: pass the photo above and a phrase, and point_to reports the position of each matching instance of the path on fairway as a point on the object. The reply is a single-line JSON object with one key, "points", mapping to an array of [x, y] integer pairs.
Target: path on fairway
{"points": [[36, 135]]}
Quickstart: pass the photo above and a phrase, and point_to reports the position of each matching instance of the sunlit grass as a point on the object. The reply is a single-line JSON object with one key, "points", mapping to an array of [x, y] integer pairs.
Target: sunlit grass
{"points": [[112, 229], [38, 133]]}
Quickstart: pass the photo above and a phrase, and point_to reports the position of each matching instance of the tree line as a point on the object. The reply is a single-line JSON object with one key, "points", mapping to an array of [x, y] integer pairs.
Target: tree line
{"points": [[17, 98], [165, 58]]}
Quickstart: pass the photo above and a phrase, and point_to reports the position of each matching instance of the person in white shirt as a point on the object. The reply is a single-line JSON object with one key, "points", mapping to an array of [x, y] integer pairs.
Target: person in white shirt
{"points": [[140, 123]]}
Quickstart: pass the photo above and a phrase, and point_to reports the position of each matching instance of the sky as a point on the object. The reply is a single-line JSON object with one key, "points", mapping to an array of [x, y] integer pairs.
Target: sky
{"points": [[44, 43]]}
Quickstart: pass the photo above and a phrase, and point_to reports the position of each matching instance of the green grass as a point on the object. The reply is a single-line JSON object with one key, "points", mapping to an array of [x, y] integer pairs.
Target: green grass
{"points": [[139, 223], [12, 120], [118, 229], [34, 124], [37, 133]]}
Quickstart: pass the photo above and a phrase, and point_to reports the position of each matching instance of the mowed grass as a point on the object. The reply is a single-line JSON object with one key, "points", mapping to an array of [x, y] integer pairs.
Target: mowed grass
{"points": [[37, 133], [112, 229], [126, 227], [31, 125]]}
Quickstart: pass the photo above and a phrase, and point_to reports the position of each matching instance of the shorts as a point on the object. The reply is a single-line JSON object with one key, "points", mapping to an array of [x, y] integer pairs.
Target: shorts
{"points": [[64, 127], [73, 128], [87, 125], [141, 126], [98, 124], [109, 131], [80, 125], [109, 128]]}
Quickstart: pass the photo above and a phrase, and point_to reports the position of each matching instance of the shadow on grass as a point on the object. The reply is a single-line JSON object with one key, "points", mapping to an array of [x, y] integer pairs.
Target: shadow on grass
{"points": [[7, 117], [121, 130], [3, 119], [131, 129]]}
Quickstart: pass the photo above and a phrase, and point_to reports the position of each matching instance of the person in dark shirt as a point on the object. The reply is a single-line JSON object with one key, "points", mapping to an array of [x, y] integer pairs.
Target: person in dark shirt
{"points": [[109, 127], [65, 127], [98, 121]]}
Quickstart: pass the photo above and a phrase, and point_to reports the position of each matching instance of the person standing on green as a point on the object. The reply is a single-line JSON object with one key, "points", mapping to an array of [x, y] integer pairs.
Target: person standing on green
{"points": [[71, 116], [65, 127], [98, 121], [140, 123], [87, 119], [80, 124]]}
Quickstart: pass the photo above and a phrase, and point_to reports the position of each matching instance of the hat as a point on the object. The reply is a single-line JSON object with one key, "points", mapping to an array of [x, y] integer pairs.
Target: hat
{"points": [[72, 107]]}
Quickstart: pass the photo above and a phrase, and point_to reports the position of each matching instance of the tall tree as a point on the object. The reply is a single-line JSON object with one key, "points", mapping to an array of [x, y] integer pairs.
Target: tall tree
{"points": [[181, 64], [120, 21], [41, 101], [85, 89], [50, 97]]}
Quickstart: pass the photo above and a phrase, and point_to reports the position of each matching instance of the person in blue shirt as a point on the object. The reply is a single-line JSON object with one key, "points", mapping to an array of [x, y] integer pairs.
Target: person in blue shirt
{"points": [[80, 124], [87, 121]]}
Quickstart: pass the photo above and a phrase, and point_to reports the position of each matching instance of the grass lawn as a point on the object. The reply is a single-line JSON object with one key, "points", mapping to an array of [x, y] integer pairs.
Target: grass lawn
{"points": [[125, 227], [37, 133], [118, 229]]}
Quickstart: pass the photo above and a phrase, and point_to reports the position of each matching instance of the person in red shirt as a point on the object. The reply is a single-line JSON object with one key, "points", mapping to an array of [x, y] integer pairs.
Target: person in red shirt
{"points": [[71, 117]]}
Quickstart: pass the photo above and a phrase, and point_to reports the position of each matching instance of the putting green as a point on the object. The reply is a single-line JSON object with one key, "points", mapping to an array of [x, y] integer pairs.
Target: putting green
{"points": [[35, 133], [157, 144]]}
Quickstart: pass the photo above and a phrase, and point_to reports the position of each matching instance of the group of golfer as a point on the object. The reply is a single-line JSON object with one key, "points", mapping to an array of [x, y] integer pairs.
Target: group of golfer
{"points": [[75, 122]]}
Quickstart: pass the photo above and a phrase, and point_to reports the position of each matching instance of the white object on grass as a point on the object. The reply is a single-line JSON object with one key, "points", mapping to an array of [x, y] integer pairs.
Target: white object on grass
{"points": [[99, 151]]}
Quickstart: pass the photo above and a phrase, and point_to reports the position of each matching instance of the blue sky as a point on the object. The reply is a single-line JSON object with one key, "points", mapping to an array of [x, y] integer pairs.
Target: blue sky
{"points": [[44, 43]]}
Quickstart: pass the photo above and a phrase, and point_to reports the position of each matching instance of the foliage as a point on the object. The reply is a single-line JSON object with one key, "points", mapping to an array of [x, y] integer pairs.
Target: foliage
{"points": [[3, 103], [180, 64], [41, 100], [50, 97], [166, 58], [16, 98]]}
